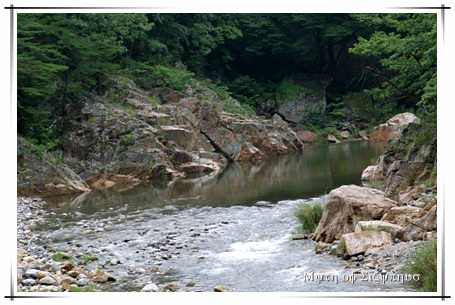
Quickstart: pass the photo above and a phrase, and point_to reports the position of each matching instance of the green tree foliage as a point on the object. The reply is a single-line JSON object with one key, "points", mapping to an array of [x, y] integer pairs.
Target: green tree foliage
{"points": [[189, 38], [406, 59], [255, 57], [274, 47], [39, 66]]}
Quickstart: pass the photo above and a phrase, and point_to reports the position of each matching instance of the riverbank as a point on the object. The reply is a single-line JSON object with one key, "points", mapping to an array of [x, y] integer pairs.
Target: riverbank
{"points": [[378, 226], [183, 243], [41, 268], [205, 237]]}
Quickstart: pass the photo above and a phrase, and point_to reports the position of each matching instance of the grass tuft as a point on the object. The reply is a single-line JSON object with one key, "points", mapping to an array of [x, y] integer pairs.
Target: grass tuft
{"points": [[424, 262], [309, 216]]}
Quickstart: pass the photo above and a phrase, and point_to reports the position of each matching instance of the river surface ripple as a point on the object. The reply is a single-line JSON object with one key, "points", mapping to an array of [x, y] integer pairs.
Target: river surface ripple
{"points": [[233, 230]]}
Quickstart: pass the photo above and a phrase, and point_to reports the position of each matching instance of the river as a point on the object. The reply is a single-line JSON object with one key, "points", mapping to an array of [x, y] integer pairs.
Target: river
{"points": [[232, 230]]}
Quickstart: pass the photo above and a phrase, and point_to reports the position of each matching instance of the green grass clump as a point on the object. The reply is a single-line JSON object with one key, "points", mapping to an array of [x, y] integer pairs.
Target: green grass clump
{"points": [[128, 139], [88, 288], [309, 216], [342, 246], [61, 257], [424, 263], [368, 228], [88, 258]]}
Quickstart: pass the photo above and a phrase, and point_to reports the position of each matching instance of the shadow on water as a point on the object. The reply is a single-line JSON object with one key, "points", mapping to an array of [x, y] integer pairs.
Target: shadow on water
{"points": [[313, 172]]}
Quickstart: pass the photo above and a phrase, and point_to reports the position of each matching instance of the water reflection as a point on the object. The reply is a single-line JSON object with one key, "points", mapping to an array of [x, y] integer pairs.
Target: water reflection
{"points": [[315, 171]]}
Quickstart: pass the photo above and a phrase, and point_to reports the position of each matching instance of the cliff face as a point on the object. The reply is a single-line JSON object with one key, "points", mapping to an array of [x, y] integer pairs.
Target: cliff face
{"points": [[130, 135], [407, 174], [409, 160], [40, 174]]}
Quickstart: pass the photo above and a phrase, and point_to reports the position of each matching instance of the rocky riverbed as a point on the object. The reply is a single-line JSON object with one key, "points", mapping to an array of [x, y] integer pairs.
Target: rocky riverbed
{"points": [[43, 268]]}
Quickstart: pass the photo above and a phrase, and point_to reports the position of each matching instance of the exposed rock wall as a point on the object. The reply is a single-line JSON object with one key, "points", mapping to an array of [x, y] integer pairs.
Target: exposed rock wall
{"points": [[312, 99], [128, 133], [39, 174], [409, 160], [405, 161], [394, 127]]}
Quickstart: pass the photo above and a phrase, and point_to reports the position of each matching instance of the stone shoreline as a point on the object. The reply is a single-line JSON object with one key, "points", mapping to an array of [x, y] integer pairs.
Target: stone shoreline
{"points": [[43, 269], [37, 270], [389, 259]]}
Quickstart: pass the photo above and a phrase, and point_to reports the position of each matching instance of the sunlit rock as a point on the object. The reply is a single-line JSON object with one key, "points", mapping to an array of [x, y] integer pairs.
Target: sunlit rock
{"points": [[347, 205]]}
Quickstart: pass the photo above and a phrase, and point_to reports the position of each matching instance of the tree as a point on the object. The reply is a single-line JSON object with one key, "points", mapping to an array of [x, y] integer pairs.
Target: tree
{"points": [[404, 60], [40, 65]]}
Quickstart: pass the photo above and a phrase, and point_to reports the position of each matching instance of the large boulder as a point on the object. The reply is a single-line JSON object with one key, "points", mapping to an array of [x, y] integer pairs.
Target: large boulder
{"points": [[332, 139], [393, 128], [312, 97], [347, 205], [102, 182], [415, 223], [307, 136], [402, 215], [367, 242]]}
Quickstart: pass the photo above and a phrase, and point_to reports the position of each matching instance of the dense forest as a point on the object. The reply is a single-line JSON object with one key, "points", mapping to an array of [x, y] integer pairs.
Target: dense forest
{"points": [[387, 59]]}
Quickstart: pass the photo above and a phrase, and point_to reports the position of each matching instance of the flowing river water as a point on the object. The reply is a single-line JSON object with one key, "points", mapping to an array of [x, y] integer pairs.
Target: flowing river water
{"points": [[233, 230]]}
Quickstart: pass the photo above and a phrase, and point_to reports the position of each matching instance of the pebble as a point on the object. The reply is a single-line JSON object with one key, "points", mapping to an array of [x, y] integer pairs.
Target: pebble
{"points": [[73, 273], [32, 273], [83, 282], [28, 282], [299, 236], [48, 281], [220, 289], [150, 288]]}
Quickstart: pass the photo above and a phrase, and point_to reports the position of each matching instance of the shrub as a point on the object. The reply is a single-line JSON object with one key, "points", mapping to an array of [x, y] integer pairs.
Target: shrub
{"points": [[309, 216], [173, 78], [323, 133], [315, 119], [128, 139], [247, 90], [424, 262]]}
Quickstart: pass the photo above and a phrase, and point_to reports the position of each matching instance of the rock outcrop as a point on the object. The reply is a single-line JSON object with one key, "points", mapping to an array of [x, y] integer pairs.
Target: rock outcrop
{"points": [[393, 128], [40, 174], [311, 99], [347, 205], [161, 135], [410, 157], [405, 161]]}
